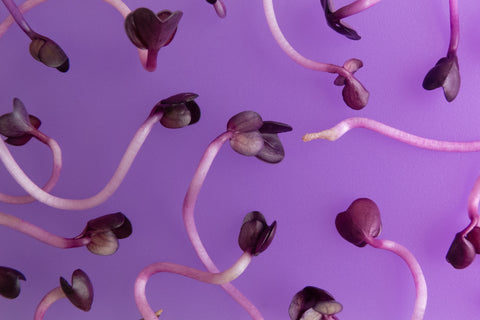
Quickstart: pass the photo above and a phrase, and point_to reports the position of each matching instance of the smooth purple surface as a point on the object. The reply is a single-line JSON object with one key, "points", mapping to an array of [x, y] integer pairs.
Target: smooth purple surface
{"points": [[234, 65]]}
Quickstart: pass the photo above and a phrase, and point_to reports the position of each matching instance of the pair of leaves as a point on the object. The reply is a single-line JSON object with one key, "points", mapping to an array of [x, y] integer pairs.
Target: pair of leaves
{"points": [[312, 303], [80, 292], [18, 125], [254, 137], [179, 110], [10, 282], [256, 235], [464, 248], [354, 93], [444, 74], [49, 53], [335, 23]]}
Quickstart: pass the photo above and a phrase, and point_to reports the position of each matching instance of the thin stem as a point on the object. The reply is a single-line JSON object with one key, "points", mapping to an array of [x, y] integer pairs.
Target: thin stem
{"points": [[189, 221], [220, 8], [81, 204], [454, 27], [346, 125], [40, 234], [214, 278], [415, 269], [18, 17], [57, 167], [291, 52], [354, 8], [473, 202], [47, 301]]}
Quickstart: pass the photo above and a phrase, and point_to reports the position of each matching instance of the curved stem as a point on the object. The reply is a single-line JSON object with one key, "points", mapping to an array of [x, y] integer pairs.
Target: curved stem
{"points": [[346, 125], [415, 269], [473, 202], [189, 220], [47, 301], [18, 17], [214, 278], [40, 234], [57, 167], [81, 204], [454, 27], [291, 52], [354, 8]]}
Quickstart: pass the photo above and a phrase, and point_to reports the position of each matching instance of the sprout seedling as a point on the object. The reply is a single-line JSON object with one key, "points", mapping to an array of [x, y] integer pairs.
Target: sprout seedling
{"points": [[150, 31], [179, 110], [246, 132], [255, 236], [446, 73], [312, 303], [41, 48], [10, 282], [19, 127], [354, 93], [80, 294], [360, 224]]}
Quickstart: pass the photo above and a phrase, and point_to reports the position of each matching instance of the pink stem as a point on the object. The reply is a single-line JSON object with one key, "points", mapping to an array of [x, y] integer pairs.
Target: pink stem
{"points": [[57, 167], [473, 202], [344, 126], [189, 221], [47, 301], [81, 204], [291, 52], [40, 234], [18, 17], [214, 278], [220, 8], [354, 8], [454, 27], [415, 269]]}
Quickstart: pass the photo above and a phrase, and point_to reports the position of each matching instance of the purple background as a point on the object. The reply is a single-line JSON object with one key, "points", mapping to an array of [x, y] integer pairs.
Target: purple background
{"points": [[234, 64]]}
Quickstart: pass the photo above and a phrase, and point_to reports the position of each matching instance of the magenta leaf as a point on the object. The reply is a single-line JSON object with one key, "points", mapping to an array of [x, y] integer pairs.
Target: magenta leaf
{"points": [[49, 53], [336, 24], [444, 74], [147, 30], [18, 125], [313, 303], [179, 110], [256, 235], [9, 282], [461, 253], [360, 221], [80, 293]]}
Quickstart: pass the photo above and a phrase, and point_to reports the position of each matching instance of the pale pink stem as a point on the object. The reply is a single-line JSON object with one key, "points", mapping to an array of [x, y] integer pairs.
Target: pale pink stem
{"points": [[47, 301], [189, 220], [344, 126], [57, 167], [120, 6], [354, 8], [415, 269], [291, 52], [214, 278], [473, 202], [40, 234], [220, 8], [81, 204], [454, 27], [18, 17]]}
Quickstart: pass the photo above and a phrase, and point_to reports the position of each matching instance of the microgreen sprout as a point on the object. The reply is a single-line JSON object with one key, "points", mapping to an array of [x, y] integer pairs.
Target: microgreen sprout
{"points": [[244, 133], [80, 294], [150, 31], [360, 224], [180, 110], [10, 282], [255, 236], [446, 73], [466, 243], [42, 48], [19, 127], [354, 93], [219, 7], [312, 303], [100, 236]]}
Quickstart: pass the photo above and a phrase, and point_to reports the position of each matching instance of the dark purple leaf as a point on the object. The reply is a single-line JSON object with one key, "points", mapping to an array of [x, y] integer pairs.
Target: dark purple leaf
{"points": [[49, 53], [80, 293], [336, 24], [274, 127], [272, 151], [179, 110], [211, 1], [474, 237], [247, 143], [255, 234], [313, 303], [360, 221], [151, 31], [354, 94], [18, 124], [461, 253], [444, 74], [244, 122], [9, 282]]}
